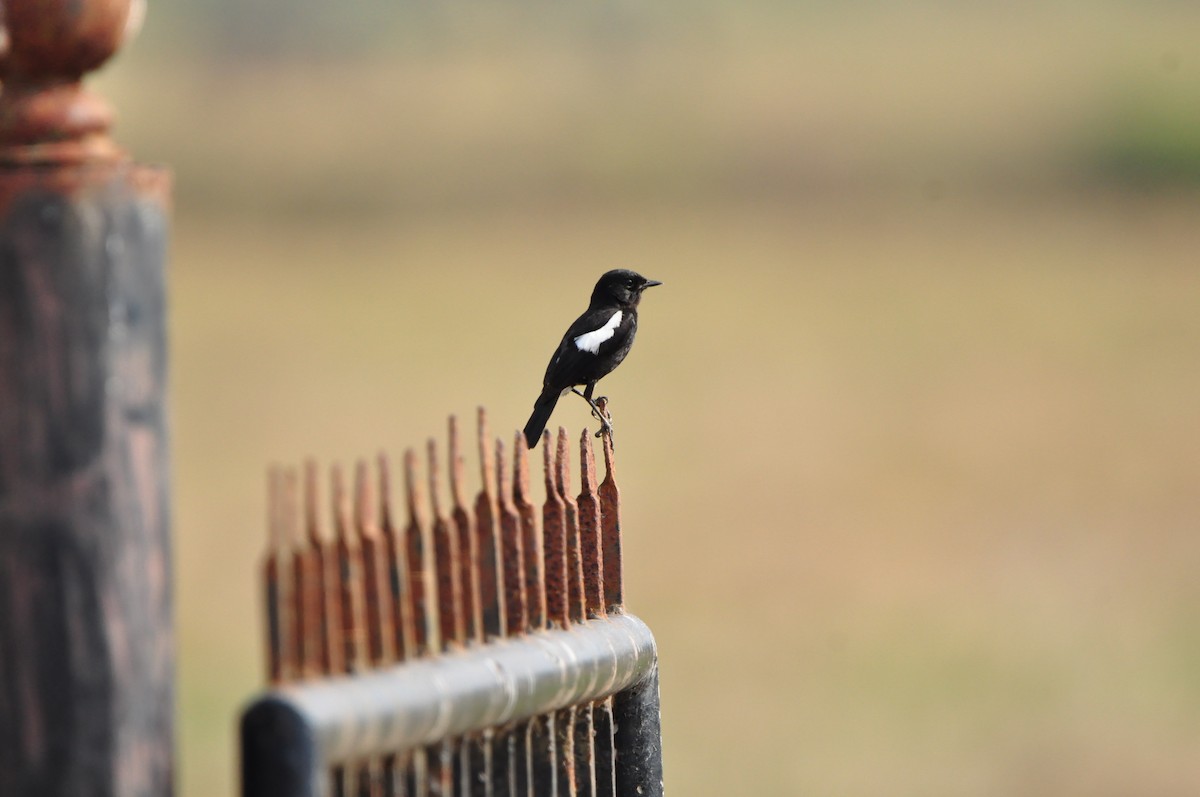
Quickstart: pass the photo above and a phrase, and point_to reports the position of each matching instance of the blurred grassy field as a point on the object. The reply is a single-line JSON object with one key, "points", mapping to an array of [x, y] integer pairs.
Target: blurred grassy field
{"points": [[909, 441]]}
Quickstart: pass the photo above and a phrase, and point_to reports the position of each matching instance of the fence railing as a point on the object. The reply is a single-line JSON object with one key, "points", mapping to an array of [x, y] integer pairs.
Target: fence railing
{"points": [[466, 647]]}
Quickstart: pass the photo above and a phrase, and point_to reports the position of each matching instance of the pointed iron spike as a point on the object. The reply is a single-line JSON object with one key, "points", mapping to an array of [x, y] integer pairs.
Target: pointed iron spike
{"points": [[563, 479], [504, 485], [610, 515], [364, 519], [341, 502], [312, 518], [291, 511], [435, 485], [442, 557], [384, 483], [590, 525], [587, 464], [412, 489], [487, 473], [520, 469], [610, 464], [512, 558], [376, 597], [457, 466], [554, 550], [550, 465]]}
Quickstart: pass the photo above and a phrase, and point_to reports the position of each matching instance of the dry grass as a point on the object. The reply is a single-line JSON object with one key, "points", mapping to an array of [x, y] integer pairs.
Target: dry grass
{"points": [[909, 440], [909, 502]]}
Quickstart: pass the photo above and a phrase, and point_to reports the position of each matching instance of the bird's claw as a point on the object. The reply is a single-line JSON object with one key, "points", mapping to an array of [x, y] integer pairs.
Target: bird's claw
{"points": [[606, 427], [605, 418]]}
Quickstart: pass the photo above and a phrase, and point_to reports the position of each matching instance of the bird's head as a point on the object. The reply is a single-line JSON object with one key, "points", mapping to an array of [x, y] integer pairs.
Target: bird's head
{"points": [[622, 287]]}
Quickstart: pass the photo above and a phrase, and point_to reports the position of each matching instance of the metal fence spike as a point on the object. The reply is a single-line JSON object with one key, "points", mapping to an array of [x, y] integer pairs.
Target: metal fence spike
{"points": [[512, 550], [445, 560], [487, 539], [377, 604], [396, 576], [422, 600], [347, 592], [531, 537], [468, 546], [610, 521], [321, 651], [554, 543], [574, 556], [589, 529]]}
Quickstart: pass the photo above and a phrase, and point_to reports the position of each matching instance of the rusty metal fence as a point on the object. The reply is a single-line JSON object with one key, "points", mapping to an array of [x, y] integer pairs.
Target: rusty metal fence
{"points": [[460, 647]]}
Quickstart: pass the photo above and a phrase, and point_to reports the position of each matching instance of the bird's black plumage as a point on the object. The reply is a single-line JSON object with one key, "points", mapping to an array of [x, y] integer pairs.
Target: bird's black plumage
{"points": [[593, 346]]}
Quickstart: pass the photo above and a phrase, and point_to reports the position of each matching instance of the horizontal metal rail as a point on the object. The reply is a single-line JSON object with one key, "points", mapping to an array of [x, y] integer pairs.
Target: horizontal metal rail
{"points": [[293, 734]]}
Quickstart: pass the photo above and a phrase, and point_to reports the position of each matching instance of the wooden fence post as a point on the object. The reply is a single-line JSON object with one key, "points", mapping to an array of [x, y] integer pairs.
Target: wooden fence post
{"points": [[86, 643]]}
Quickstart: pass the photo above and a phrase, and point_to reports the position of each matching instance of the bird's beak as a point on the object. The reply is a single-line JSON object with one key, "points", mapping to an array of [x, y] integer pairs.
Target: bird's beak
{"points": [[651, 284]]}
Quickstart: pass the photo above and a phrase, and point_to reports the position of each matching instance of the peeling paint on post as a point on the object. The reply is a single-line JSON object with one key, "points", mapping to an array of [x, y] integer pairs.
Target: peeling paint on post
{"points": [[86, 646]]}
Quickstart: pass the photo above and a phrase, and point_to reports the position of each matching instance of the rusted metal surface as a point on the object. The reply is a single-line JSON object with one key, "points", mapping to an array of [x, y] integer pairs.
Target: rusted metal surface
{"points": [[447, 557], [376, 594], [591, 548], [554, 539], [86, 640], [468, 543], [610, 527], [512, 557], [487, 535], [531, 538], [392, 600]]}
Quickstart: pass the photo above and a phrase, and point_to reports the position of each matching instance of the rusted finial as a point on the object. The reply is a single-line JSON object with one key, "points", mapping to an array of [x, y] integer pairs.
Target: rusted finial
{"points": [[348, 577], [377, 603], [46, 116], [468, 548], [364, 517], [487, 471], [321, 649], [487, 539], [531, 538], [589, 529], [554, 544], [394, 557], [574, 555], [610, 521], [511, 544], [446, 564], [422, 636], [312, 523]]}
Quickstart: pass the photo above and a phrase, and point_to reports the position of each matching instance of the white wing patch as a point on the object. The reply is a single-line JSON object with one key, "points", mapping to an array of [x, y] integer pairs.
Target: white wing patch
{"points": [[590, 341]]}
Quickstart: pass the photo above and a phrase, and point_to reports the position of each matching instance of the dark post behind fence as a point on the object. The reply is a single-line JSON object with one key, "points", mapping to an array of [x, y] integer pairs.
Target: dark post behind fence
{"points": [[86, 647]]}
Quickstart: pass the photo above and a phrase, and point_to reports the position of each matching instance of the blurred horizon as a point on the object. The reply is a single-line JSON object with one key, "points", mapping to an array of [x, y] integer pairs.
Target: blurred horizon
{"points": [[908, 439]]}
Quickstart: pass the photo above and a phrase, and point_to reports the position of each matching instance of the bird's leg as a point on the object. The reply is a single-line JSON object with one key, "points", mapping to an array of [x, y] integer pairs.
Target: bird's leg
{"points": [[606, 420], [597, 412]]}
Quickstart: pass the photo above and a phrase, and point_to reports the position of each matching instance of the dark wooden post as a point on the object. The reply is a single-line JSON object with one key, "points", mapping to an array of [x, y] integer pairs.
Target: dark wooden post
{"points": [[86, 647]]}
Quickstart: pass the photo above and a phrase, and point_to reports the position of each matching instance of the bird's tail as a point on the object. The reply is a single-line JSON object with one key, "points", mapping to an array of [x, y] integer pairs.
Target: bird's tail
{"points": [[542, 408]]}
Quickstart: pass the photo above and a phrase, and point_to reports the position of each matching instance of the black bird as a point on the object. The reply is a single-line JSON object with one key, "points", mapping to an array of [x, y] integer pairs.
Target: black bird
{"points": [[594, 345]]}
